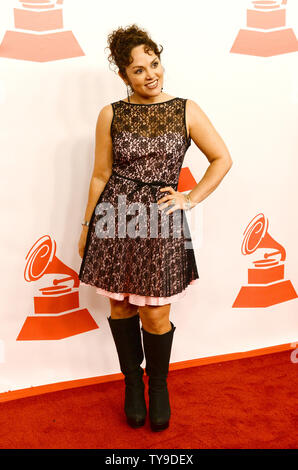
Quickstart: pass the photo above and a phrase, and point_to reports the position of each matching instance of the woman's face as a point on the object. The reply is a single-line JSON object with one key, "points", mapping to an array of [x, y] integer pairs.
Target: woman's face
{"points": [[144, 70]]}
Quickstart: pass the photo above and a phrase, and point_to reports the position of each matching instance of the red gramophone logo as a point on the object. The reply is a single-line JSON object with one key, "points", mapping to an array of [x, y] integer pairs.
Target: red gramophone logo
{"points": [[266, 283], [266, 33], [57, 313], [38, 35]]}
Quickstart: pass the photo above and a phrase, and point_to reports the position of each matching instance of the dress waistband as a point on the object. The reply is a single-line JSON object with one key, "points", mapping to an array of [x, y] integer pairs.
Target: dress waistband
{"points": [[141, 183]]}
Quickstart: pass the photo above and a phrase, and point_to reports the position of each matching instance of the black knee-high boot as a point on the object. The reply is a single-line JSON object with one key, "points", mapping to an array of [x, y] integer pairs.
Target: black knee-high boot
{"points": [[127, 337], [157, 350]]}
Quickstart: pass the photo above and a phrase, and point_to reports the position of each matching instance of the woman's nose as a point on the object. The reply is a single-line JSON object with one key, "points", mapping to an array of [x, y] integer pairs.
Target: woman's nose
{"points": [[150, 75]]}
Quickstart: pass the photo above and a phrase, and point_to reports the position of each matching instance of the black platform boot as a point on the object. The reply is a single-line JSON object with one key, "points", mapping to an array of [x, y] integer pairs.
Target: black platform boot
{"points": [[157, 350], [127, 337]]}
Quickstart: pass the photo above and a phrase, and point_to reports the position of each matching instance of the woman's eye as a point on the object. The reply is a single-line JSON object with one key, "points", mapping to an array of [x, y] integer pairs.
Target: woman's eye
{"points": [[140, 70]]}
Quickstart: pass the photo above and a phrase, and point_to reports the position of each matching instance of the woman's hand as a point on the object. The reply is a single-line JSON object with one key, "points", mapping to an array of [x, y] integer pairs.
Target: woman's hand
{"points": [[179, 203], [82, 241]]}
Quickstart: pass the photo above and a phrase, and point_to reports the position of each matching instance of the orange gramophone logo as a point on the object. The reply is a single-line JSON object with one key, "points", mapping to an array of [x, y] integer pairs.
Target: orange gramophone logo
{"points": [[39, 34], [266, 33], [57, 313], [266, 283]]}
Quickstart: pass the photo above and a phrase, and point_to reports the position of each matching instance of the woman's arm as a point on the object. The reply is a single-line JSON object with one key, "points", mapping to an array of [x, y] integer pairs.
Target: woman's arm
{"points": [[103, 159], [211, 144]]}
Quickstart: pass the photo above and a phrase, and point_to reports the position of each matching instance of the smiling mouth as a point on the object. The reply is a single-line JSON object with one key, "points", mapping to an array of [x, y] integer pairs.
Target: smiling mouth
{"points": [[152, 84]]}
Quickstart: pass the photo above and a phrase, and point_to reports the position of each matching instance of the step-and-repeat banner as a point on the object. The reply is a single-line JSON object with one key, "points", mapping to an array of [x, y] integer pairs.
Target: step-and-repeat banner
{"points": [[238, 60]]}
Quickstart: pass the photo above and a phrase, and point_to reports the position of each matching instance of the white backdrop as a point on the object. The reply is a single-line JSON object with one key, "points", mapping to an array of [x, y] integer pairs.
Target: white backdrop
{"points": [[49, 110]]}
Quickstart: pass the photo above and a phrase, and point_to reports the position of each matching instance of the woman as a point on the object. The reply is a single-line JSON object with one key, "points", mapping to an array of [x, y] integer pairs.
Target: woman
{"points": [[140, 146]]}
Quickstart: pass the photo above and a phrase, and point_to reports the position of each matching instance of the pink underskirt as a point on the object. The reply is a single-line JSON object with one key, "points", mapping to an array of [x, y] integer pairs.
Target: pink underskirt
{"points": [[142, 300]]}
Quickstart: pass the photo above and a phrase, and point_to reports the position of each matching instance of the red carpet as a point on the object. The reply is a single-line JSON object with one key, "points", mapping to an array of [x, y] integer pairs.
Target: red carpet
{"points": [[241, 404]]}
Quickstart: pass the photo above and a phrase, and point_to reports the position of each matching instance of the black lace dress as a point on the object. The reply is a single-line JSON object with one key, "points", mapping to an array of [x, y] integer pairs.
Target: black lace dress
{"points": [[137, 250]]}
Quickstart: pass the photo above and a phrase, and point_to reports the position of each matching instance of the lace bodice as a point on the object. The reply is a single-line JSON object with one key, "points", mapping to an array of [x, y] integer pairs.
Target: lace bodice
{"points": [[150, 140]]}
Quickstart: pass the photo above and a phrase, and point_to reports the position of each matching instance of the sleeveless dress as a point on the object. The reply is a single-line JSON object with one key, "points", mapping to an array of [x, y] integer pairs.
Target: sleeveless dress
{"points": [[133, 249]]}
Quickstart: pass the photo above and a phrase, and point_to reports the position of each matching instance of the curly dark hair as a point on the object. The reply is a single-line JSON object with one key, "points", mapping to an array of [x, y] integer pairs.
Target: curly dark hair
{"points": [[121, 41]]}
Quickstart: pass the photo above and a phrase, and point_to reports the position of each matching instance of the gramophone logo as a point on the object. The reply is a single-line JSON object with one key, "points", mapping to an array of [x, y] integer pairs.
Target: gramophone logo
{"points": [[266, 33], [39, 35], [266, 283], [57, 313]]}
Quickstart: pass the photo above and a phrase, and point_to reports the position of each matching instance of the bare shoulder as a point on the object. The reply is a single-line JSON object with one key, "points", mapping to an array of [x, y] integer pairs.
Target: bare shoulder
{"points": [[204, 134], [104, 119], [194, 112], [193, 115], [197, 119], [106, 114]]}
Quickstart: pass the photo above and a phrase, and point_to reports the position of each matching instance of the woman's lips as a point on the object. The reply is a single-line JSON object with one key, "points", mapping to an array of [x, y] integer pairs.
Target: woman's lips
{"points": [[152, 84]]}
